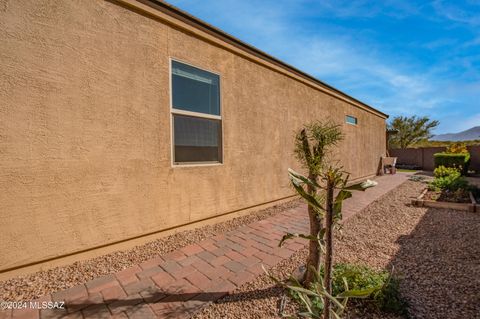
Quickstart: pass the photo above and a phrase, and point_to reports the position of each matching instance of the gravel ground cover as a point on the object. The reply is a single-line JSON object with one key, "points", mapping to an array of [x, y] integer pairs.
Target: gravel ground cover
{"points": [[435, 251], [29, 287]]}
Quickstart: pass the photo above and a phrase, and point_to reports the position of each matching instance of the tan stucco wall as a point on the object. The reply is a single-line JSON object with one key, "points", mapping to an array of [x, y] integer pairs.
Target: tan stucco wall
{"points": [[85, 146]]}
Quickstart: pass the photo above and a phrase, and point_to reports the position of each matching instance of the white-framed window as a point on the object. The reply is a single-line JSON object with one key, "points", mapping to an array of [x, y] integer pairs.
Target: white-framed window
{"points": [[351, 120], [196, 116]]}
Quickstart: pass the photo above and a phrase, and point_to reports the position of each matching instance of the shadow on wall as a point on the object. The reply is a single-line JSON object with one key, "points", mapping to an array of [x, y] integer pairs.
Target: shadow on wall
{"points": [[440, 265]]}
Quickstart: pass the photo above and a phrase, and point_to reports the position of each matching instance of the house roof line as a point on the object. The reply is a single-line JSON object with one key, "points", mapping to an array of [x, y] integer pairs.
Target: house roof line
{"points": [[197, 23]]}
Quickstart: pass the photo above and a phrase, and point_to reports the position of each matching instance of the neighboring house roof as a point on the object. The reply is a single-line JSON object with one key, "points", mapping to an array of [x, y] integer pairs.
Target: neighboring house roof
{"points": [[202, 25]]}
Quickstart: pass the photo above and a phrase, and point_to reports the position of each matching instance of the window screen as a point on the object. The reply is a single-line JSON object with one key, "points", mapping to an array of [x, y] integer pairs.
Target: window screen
{"points": [[197, 124], [197, 139]]}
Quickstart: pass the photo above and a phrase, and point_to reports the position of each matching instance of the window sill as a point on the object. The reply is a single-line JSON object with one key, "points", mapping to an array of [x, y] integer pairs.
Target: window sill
{"points": [[196, 164]]}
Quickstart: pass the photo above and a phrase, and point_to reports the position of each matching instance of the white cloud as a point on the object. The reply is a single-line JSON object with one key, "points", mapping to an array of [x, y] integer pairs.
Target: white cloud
{"points": [[451, 11], [460, 123], [360, 71], [350, 61]]}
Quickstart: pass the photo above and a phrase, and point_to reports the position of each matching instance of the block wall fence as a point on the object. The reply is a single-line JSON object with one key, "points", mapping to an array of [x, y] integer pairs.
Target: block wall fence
{"points": [[423, 157]]}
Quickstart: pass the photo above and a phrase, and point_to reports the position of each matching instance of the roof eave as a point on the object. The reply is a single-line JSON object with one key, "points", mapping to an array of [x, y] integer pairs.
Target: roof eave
{"points": [[200, 24]]}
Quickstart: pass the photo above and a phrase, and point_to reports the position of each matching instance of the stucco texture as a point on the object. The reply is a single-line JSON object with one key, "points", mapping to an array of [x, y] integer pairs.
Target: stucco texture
{"points": [[85, 133]]}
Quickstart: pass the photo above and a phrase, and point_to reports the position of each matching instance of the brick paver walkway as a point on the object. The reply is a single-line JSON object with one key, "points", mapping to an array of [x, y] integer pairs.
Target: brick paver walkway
{"points": [[179, 283]]}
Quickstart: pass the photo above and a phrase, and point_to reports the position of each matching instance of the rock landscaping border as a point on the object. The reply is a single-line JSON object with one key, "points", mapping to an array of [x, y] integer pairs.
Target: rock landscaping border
{"points": [[470, 207], [32, 286]]}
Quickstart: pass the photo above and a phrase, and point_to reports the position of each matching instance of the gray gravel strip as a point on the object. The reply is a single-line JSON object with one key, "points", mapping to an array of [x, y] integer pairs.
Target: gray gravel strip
{"points": [[29, 287], [436, 251]]}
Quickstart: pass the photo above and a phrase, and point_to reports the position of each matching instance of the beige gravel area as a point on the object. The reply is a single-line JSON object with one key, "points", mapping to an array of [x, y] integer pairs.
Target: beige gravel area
{"points": [[35, 285], [436, 251]]}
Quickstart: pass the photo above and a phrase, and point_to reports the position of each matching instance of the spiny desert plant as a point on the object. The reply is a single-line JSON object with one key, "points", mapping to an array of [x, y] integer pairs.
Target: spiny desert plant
{"points": [[330, 209], [313, 145]]}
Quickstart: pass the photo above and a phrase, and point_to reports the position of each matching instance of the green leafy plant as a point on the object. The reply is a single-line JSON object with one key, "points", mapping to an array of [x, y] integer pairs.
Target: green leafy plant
{"points": [[368, 286], [451, 183], [448, 178], [443, 171], [384, 286]]}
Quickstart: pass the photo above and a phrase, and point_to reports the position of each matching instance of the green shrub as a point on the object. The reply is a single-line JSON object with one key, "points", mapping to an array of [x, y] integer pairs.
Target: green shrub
{"points": [[451, 183], [443, 171], [383, 288], [458, 160], [448, 179], [385, 293]]}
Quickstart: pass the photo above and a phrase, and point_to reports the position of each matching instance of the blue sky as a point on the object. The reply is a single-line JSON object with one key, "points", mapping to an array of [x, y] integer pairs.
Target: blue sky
{"points": [[402, 57]]}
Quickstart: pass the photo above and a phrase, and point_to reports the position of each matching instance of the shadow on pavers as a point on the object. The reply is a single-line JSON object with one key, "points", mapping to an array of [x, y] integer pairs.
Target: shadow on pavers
{"points": [[164, 304]]}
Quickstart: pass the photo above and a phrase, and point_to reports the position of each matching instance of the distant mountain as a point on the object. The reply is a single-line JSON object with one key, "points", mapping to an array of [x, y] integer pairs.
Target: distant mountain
{"points": [[468, 135]]}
